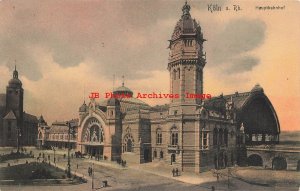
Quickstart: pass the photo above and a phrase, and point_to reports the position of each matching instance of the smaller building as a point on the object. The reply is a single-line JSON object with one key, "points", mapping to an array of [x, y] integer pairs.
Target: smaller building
{"points": [[56, 135], [16, 126]]}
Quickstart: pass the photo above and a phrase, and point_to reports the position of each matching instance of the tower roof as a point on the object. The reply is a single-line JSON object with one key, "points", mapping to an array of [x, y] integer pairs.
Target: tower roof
{"points": [[123, 89], [257, 88], [41, 120], [83, 107], [113, 102], [186, 25], [15, 82]]}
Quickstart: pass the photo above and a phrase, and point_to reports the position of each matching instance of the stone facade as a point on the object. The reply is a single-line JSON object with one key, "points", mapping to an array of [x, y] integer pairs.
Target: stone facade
{"points": [[190, 134]]}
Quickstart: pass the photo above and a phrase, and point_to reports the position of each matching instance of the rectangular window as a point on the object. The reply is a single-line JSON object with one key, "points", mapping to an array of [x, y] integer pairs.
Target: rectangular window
{"points": [[205, 140], [174, 139], [159, 138]]}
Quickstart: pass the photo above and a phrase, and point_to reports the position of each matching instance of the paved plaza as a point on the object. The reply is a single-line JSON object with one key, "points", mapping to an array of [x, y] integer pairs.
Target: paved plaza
{"points": [[139, 177]]}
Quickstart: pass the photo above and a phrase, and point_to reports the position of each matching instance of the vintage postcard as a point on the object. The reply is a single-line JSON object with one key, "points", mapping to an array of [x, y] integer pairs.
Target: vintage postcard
{"points": [[149, 95]]}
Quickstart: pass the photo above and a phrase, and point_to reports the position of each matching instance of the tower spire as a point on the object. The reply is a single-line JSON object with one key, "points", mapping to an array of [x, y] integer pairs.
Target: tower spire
{"points": [[186, 10], [123, 81], [113, 82], [15, 73], [84, 93]]}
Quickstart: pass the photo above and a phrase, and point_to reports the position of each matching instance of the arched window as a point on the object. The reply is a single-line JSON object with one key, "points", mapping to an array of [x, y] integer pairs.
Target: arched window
{"points": [[178, 73], [158, 136], [204, 140], [174, 136], [174, 74], [128, 142]]}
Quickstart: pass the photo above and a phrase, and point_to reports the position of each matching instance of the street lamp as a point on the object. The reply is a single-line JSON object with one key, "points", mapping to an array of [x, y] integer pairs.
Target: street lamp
{"points": [[18, 139], [71, 125], [54, 160], [92, 175]]}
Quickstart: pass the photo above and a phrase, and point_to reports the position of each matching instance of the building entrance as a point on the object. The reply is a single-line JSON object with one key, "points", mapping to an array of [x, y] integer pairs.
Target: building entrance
{"points": [[94, 151]]}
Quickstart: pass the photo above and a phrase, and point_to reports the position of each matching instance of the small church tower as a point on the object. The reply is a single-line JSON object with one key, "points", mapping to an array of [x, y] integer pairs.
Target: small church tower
{"points": [[14, 95], [14, 110]]}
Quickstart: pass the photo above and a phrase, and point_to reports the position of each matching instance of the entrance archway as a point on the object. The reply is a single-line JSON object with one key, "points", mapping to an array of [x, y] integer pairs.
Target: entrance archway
{"points": [[216, 161], [155, 154], [255, 160], [173, 158], [161, 154], [146, 155], [129, 145], [279, 163]]}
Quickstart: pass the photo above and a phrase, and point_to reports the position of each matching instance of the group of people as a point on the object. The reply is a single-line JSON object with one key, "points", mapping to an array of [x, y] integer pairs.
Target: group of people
{"points": [[43, 157], [90, 171], [121, 162], [175, 172]]}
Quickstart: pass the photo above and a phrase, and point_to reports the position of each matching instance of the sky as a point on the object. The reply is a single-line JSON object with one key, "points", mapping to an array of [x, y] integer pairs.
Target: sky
{"points": [[66, 49]]}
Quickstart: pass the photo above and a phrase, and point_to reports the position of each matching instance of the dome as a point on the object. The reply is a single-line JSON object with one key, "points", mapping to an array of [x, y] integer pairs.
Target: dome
{"points": [[15, 82], [83, 107], [113, 102], [257, 88], [186, 25], [123, 90]]}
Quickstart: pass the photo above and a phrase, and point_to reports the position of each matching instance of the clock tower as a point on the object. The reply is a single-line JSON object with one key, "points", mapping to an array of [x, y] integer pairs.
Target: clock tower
{"points": [[186, 60]]}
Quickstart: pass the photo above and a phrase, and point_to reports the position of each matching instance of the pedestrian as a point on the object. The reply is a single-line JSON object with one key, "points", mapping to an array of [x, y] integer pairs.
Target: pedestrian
{"points": [[173, 172], [212, 188], [176, 171], [90, 171]]}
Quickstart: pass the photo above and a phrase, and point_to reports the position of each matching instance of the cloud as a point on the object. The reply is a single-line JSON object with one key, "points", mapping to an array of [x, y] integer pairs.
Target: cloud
{"points": [[232, 47], [242, 64], [111, 34]]}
